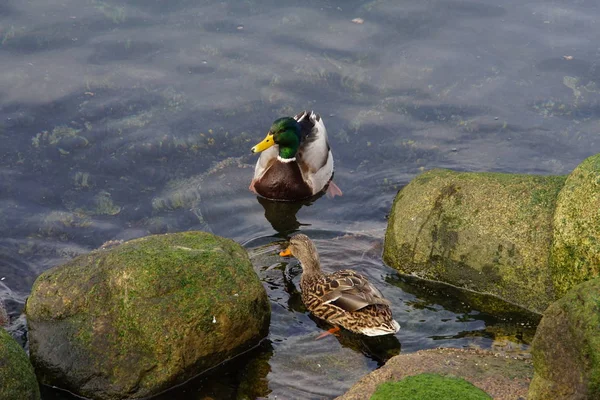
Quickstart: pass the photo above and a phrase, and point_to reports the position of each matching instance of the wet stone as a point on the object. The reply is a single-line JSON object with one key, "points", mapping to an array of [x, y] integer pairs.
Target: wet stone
{"points": [[138, 318], [486, 232], [17, 378], [566, 347]]}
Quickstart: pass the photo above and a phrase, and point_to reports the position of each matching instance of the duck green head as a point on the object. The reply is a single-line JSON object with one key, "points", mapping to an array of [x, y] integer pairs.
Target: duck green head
{"points": [[284, 132]]}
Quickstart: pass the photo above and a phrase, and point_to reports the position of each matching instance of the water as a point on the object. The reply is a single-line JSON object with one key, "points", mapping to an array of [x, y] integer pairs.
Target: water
{"points": [[122, 119]]}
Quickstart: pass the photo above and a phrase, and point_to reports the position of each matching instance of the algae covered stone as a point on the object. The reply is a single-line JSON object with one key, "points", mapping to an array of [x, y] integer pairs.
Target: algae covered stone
{"points": [[566, 347], [502, 378], [487, 232], [17, 378], [576, 248], [429, 387], [136, 319]]}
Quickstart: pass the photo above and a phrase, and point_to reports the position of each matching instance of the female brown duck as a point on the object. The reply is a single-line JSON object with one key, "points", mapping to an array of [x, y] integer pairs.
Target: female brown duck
{"points": [[296, 162], [343, 298]]}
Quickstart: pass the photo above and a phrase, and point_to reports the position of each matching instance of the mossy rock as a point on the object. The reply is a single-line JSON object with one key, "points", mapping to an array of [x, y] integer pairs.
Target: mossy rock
{"points": [[502, 377], [576, 248], [429, 387], [566, 347], [487, 232], [136, 319], [17, 378]]}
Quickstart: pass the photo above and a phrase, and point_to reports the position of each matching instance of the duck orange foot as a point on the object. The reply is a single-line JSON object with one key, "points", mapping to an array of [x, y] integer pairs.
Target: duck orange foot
{"points": [[329, 332]]}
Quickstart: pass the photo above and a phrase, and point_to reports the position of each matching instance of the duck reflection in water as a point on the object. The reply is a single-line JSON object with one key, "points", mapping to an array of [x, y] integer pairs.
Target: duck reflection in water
{"points": [[282, 215]]}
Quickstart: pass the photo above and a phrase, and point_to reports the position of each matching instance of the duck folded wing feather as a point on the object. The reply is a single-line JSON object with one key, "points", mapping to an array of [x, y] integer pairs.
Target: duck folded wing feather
{"points": [[351, 293], [314, 151]]}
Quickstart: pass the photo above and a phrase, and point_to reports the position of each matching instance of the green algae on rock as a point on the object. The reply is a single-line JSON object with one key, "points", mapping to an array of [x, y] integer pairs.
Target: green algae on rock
{"points": [[566, 347], [17, 378], [576, 249], [487, 232], [429, 387], [136, 319]]}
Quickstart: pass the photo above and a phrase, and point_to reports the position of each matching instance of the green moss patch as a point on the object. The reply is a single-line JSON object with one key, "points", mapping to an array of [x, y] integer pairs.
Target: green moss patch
{"points": [[576, 247], [17, 378], [566, 346], [429, 387]]}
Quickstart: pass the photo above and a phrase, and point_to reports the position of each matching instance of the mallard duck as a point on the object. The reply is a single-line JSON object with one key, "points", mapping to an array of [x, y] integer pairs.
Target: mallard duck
{"points": [[296, 161], [343, 298]]}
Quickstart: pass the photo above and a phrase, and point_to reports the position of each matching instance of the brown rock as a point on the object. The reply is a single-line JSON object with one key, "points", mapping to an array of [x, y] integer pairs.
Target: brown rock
{"points": [[503, 377]]}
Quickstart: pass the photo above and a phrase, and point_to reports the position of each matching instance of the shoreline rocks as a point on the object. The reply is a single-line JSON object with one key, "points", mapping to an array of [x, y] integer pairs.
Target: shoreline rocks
{"points": [[524, 238], [136, 319]]}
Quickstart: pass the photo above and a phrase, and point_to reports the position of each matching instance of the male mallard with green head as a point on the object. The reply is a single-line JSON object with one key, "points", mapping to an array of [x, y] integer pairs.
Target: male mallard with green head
{"points": [[343, 298], [296, 160]]}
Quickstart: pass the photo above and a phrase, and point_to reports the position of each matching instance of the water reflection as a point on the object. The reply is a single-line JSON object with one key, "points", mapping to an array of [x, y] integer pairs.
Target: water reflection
{"points": [[377, 348], [502, 320], [282, 215]]}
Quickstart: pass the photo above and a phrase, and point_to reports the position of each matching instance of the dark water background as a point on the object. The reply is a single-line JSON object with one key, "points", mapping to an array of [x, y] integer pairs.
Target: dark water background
{"points": [[120, 119]]}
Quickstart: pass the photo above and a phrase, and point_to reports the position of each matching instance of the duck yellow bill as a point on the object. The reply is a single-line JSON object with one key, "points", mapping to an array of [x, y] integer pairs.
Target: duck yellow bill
{"points": [[286, 253], [265, 144]]}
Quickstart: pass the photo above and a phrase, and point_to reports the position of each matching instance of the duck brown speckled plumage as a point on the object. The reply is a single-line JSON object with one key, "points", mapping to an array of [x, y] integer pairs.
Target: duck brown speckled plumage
{"points": [[343, 298]]}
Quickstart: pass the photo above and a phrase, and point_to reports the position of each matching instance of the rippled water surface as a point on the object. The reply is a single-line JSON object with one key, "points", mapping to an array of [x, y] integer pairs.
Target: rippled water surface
{"points": [[120, 119]]}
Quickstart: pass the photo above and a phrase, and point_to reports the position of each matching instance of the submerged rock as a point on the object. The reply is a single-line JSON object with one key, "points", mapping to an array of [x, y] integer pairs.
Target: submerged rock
{"points": [[17, 378], [136, 319], [487, 232], [429, 386], [566, 347], [503, 378], [576, 247]]}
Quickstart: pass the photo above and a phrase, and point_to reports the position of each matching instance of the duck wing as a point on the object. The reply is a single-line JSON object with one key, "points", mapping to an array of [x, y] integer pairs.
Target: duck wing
{"points": [[350, 291], [314, 151]]}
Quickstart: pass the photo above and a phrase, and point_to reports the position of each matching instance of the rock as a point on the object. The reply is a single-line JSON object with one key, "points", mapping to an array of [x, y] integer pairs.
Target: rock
{"points": [[486, 232], [139, 318], [429, 386], [566, 347], [3, 315], [503, 378], [576, 247], [17, 378]]}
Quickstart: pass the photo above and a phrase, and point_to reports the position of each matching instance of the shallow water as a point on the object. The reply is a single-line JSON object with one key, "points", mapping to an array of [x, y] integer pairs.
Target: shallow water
{"points": [[120, 119]]}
